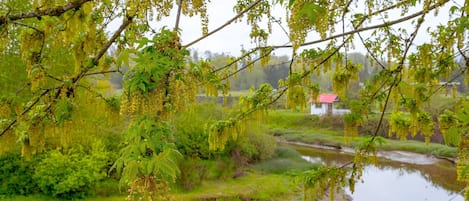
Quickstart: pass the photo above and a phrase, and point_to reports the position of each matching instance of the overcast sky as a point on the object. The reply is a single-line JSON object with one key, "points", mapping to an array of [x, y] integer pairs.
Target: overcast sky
{"points": [[235, 36]]}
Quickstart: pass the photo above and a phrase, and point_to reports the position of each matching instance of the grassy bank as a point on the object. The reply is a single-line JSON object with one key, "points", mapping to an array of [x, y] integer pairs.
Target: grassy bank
{"points": [[252, 186], [303, 127]]}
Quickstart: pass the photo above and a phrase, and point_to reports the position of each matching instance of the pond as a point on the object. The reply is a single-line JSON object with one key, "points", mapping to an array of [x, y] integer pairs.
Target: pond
{"points": [[398, 176]]}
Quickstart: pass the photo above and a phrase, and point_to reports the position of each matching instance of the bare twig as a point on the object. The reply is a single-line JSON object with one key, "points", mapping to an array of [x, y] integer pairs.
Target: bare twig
{"points": [[104, 72], [178, 16], [280, 25]]}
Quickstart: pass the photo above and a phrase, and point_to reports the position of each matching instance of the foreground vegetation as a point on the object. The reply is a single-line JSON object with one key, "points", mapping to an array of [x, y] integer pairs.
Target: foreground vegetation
{"points": [[251, 167], [271, 179], [85, 171]]}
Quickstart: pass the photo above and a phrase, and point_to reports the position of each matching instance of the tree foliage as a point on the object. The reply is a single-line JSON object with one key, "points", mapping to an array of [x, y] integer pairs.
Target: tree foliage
{"points": [[59, 53]]}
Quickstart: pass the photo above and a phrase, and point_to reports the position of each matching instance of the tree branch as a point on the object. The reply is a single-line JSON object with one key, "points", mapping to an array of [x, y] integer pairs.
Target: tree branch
{"points": [[386, 24], [252, 5], [236, 60], [8, 127], [88, 88], [29, 26], [95, 60], [103, 72], [178, 16], [56, 11], [247, 65], [371, 53], [94, 63]]}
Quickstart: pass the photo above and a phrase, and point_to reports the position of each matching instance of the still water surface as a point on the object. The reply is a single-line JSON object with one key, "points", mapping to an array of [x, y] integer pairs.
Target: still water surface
{"points": [[425, 180]]}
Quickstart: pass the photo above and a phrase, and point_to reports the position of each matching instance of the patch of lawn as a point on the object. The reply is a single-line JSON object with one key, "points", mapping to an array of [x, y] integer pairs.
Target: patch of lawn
{"points": [[253, 186]]}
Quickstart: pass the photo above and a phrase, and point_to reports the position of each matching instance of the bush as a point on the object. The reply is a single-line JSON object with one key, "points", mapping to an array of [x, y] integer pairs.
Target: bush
{"points": [[256, 145], [285, 160], [71, 174], [331, 121], [369, 128], [16, 175], [193, 172], [190, 136]]}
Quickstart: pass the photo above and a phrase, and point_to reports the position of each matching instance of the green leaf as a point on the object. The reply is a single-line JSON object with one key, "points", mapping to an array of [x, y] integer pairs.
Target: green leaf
{"points": [[464, 171], [453, 9], [123, 58], [312, 11]]}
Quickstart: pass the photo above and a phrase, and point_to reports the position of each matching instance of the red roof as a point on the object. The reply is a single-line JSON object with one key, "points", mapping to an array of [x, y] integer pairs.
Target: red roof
{"points": [[326, 98]]}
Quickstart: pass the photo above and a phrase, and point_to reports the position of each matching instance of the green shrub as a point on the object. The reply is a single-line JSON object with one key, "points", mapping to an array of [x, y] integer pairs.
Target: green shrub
{"points": [[331, 121], [107, 187], [72, 173], [190, 136], [287, 152], [369, 128], [285, 160], [193, 172], [257, 146], [16, 175]]}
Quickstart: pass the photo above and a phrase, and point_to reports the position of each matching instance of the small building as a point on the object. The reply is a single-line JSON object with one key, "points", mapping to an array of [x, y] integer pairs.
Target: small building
{"points": [[325, 105]]}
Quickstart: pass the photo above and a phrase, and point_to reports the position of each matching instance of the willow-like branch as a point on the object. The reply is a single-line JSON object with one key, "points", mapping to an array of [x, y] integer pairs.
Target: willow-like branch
{"points": [[373, 56], [56, 11], [103, 50], [246, 65], [397, 73], [237, 59], [461, 73], [94, 62], [251, 6], [357, 30]]}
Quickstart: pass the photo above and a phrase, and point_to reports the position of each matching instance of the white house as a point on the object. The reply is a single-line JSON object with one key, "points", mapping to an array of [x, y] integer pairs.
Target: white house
{"points": [[325, 105]]}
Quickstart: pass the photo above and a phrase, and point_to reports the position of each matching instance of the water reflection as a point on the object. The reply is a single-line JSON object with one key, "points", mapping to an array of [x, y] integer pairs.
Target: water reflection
{"points": [[391, 184], [391, 180]]}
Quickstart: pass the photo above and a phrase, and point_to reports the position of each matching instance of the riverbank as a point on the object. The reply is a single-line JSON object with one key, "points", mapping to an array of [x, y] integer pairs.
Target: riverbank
{"points": [[397, 156], [305, 128]]}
